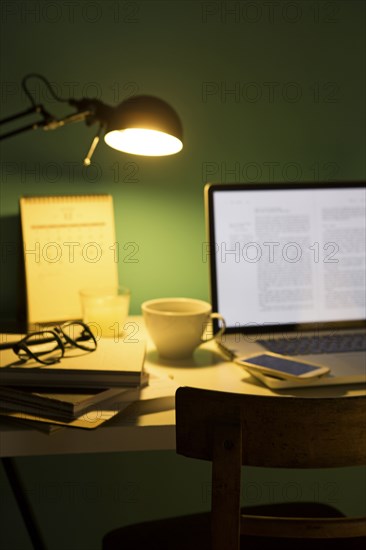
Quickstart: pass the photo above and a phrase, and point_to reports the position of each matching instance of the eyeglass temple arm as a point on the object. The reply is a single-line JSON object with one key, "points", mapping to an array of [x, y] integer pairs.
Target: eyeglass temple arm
{"points": [[11, 345]]}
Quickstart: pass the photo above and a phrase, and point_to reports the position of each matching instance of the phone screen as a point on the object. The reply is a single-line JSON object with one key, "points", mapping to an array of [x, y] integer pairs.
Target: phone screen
{"points": [[282, 364]]}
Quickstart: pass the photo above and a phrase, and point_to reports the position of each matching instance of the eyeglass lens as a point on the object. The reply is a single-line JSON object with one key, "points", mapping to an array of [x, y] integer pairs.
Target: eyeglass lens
{"points": [[44, 346], [79, 334]]}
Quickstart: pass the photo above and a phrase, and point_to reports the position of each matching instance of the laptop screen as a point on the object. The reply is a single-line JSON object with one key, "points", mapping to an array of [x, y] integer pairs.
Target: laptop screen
{"points": [[286, 254]]}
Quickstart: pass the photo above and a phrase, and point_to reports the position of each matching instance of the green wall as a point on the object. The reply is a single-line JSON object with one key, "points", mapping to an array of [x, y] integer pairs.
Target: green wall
{"points": [[265, 90]]}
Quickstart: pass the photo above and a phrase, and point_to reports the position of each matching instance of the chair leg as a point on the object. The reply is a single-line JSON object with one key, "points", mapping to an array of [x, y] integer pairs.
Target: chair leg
{"points": [[226, 489]]}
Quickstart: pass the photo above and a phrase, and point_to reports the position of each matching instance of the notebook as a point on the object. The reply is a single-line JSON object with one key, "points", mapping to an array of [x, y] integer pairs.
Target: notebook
{"points": [[287, 272], [115, 363]]}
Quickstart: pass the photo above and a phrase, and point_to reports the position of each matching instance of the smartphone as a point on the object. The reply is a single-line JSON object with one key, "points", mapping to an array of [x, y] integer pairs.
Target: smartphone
{"points": [[281, 367]]}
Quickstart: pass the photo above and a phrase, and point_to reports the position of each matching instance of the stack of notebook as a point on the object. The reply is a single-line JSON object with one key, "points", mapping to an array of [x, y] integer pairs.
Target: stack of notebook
{"points": [[82, 390]]}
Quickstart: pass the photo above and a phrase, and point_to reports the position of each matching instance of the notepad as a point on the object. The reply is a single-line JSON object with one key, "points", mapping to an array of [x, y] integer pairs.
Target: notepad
{"points": [[68, 243], [113, 364]]}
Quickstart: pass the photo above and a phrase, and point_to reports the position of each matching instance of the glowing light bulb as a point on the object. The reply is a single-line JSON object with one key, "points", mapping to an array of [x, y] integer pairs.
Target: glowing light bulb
{"points": [[140, 141]]}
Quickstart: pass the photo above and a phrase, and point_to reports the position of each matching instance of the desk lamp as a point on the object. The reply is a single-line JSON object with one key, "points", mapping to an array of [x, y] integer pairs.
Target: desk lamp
{"points": [[141, 125]]}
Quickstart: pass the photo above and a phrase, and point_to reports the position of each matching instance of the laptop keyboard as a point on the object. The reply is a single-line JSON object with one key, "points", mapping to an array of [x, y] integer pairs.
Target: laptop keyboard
{"points": [[306, 345]]}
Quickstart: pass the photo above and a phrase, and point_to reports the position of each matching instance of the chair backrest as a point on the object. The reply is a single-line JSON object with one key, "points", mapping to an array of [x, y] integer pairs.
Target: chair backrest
{"points": [[275, 431], [234, 429]]}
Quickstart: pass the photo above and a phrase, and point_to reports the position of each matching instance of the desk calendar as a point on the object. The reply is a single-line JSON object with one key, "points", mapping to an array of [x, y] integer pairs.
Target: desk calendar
{"points": [[68, 244]]}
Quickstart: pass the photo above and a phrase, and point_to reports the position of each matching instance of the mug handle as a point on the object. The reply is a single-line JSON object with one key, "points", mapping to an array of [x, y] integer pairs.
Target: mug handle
{"points": [[220, 331]]}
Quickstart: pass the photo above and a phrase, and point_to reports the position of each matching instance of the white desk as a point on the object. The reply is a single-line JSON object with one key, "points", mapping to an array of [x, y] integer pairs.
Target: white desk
{"points": [[150, 425], [144, 425]]}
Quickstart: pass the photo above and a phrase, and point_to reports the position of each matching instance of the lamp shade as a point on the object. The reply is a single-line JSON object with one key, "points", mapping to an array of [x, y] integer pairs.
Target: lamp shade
{"points": [[144, 125]]}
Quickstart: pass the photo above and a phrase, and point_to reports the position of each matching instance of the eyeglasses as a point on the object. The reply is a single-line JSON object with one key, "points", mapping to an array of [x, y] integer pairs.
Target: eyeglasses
{"points": [[49, 346]]}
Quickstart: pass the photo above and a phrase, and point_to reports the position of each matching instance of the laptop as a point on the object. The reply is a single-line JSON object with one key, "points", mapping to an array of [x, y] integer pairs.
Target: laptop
{"points": [[287, 273]]}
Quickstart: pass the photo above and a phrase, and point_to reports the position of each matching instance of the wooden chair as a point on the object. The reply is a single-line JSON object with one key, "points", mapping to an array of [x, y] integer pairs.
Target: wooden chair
{"points": [[232, 430]]}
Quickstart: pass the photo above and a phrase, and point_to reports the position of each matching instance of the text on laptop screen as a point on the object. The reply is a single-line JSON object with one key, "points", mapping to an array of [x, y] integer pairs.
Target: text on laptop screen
{"points": [[285, 256]]}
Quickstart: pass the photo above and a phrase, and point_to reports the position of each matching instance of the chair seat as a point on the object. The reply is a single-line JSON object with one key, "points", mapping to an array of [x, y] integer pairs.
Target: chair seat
{"points": [[178, 533], [193, 531]]}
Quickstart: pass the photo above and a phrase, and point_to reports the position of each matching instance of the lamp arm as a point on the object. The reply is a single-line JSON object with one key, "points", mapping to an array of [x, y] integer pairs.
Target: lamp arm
{"points": [[33, 126], [31, 110], [88, 110], [49, 122], [75, 117], [39, 109]]}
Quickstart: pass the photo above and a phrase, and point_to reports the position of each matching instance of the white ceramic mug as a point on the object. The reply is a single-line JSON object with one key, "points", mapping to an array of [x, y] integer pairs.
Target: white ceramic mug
{"points": [[177, 325]]}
